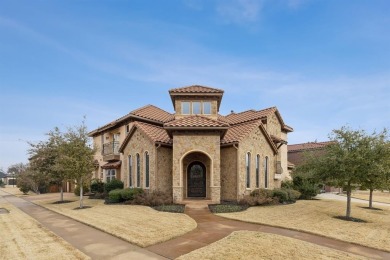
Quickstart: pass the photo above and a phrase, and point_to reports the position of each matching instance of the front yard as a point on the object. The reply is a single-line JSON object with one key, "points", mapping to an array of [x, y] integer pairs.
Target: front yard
{"points": [[140, 225], [317, 216], [21, 237], [256, 245], [378, 196]]}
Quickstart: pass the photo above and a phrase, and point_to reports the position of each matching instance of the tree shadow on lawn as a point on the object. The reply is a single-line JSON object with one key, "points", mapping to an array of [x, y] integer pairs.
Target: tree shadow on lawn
{"points": [[358, 220], [63, 202], [378, 209], [85, 207]]}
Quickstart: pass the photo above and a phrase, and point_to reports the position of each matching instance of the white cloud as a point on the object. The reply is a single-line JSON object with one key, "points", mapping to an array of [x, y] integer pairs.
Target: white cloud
{"points": [[239, 11]]}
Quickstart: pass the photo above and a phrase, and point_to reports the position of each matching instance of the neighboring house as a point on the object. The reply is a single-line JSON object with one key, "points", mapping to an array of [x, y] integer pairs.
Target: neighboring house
{"points": [[296, 156], [194, 152]]}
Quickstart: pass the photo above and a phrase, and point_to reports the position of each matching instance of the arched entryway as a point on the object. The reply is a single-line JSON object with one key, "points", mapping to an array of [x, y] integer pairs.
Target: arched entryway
{"points": [[196, 175], [196, 180]]}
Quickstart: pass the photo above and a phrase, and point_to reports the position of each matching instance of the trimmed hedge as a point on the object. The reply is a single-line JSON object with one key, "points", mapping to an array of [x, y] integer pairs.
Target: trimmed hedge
{"points": [[130, 193], [113, 185], [114, 196], [97, 186]]}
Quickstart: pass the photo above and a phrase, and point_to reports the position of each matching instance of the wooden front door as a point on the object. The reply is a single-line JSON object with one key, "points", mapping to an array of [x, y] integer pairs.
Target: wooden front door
{"points": [[196, 180]]}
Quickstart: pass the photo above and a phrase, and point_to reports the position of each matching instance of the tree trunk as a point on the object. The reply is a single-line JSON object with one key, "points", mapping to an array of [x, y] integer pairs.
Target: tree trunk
{"points": [[62, 193], [81, 194], [349, 193], [370, 200]]}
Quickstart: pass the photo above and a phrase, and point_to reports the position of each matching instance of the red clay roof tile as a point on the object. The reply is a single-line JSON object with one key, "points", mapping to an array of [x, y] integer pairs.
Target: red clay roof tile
{"points": [[307, 146], [196, 89], [196, 121], [249, 115], [237, 132], [155, 133], [153, 113]]}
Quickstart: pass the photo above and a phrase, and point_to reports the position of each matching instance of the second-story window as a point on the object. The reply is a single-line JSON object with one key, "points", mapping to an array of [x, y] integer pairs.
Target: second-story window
{"points": [[196, 108], [207, 108], [185, 108]]}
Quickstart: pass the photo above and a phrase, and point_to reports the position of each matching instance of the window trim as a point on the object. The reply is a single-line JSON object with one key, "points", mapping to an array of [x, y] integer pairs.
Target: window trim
{"points": [[258, 171], [147, 170], [130, 170], [248, 170], [138, 158]]}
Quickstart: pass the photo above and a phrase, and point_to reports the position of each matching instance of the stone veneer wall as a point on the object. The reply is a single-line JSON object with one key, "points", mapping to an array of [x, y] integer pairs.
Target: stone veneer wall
{"points": [[164, 169], [196, 157], [229, 173], [139, 143], [186, 142], [255, 144]]}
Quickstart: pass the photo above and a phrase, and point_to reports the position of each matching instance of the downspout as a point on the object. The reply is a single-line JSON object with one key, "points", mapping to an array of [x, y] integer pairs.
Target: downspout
{"points": [[237, 173], [156, 166]]}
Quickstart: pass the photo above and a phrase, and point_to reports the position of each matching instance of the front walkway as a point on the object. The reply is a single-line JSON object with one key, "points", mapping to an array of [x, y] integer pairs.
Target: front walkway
{"points": [[92, 242], [212, 228]]}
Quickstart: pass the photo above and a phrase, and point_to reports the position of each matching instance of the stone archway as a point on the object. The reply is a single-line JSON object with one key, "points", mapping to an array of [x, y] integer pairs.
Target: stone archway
{"points": [[196, 175]]}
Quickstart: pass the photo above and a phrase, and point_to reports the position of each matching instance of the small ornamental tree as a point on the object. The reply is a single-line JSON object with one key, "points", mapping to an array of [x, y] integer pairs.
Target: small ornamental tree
{"points": [[76, 156], [346, 162]]}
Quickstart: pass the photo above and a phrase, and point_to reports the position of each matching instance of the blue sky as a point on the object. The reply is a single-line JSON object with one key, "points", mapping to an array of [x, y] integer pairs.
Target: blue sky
{"points": [[323, 63]]}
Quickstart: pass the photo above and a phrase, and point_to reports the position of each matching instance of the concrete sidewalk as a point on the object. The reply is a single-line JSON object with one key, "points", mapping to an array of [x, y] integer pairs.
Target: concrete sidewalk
{"points": [[212, 228], [92, 242]]}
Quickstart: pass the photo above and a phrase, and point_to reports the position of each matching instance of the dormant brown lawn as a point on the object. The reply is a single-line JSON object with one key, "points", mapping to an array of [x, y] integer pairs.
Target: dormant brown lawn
{"points": [[378, 196], [139, 225], [256, 245], [21, 237], [316, 216]]}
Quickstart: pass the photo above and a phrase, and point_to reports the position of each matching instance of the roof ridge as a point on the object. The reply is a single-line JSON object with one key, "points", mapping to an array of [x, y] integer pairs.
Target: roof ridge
{"points": [[199, 86]]}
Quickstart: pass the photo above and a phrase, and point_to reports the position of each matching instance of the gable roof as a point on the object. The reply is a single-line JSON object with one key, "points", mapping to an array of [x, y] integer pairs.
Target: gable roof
{"points": [[307, 146], [237, 133], [148, 113], [195, 121], [156, 134], [196, 89], [249, 115]]}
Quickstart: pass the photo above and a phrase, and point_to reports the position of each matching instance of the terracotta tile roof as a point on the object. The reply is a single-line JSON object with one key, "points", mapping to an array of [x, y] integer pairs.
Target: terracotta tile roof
{"points": [[307, 146], [155, 133], [249, 115], [148, 112], [196, 121], [112, 165], [153, 113], [196, 89], [237, 132]]}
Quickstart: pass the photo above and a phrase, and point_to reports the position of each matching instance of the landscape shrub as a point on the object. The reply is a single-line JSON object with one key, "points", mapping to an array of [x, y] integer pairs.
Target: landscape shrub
{"points": [[293, 195], [151, 199], [306, 187], [2, 184], [114, 196], [262, 193], [287, 185], [113, 185], [77, 190], [130, 193], [281, 195], [97, 186], [24, 189]]}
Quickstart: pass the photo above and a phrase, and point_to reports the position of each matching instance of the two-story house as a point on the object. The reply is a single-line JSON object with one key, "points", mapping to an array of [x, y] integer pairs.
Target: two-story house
{"points": [[194, 152]]}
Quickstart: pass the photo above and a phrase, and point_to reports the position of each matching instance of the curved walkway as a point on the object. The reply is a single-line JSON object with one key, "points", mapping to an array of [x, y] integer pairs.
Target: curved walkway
{"points": [[92, 242], [212, 228]]}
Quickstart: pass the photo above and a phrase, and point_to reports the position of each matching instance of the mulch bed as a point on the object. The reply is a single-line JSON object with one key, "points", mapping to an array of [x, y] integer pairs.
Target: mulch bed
{"points": [[350, 219]]}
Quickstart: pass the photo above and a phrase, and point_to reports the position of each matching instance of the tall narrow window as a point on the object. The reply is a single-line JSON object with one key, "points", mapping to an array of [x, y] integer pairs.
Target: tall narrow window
{"points": [[138, 171], [258, 171], [185, 108], [207, 108], [146, 170], [196, 108], [130, 171], [266, 172], [248, 170]]}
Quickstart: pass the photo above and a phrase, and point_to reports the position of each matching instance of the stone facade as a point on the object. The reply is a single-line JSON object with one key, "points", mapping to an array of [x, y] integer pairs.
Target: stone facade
{"points": [[185, 145], [181, 147]]}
